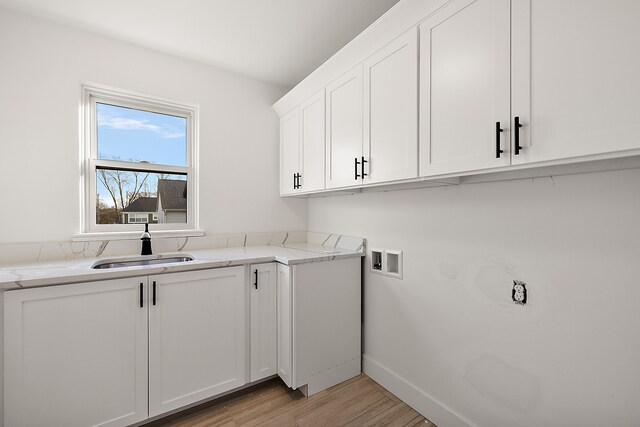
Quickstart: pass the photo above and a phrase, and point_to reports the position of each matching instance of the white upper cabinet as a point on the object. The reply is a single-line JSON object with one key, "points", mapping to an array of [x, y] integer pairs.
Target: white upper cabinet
{"points": [[263, 321], [196, 336], [290, 155], [344, 130], [302, 147], [391, 111], [576, 84], [465, 87], [312, 128], [498, 85]]}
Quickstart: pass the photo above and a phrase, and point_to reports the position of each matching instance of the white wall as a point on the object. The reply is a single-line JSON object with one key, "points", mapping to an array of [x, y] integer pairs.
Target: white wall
{"points": [[41, 67], [569, 357]]}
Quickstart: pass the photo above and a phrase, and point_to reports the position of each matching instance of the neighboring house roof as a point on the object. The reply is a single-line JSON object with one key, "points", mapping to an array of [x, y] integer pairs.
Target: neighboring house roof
{"points": [[142, 204], [172, 194]]}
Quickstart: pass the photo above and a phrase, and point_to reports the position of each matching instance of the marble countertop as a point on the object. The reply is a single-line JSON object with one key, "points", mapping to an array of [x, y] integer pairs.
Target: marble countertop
{"points": [[79, 270]]}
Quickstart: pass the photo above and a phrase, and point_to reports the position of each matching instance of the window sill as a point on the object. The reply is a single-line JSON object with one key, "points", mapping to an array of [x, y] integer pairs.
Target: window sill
{"points": [[134, 235]]}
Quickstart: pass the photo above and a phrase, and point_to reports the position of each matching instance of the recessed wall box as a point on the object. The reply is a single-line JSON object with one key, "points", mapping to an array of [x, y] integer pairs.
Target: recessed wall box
{"points": [[393, 263], [377, 258]]}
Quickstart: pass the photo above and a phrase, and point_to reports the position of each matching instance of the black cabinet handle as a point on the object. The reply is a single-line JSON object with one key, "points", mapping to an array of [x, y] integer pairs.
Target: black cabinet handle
{"points": [[154, 292], [498, 131], [295, 181], [363, 162], [516, 127], [255, 283], [141, 296], [356, 168]]}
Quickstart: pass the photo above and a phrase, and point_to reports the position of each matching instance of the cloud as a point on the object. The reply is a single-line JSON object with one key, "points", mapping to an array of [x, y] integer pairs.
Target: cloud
{"points": [[123, 123]]}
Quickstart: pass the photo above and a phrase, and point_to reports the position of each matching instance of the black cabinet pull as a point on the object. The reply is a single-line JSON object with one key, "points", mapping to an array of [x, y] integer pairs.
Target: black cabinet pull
{"points": [[295, 181], [516, 127], [255, 283], [141, 296], [154, 292], [498, 131], [356, 168], [363, 162]]}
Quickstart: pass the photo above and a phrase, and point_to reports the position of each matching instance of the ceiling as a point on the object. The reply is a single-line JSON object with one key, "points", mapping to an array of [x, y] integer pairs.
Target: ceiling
{"points": [[278, 41]]}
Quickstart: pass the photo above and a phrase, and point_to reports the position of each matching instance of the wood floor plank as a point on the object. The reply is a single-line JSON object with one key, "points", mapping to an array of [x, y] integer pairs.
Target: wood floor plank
{"points": [[418, 420], [357, 402]]}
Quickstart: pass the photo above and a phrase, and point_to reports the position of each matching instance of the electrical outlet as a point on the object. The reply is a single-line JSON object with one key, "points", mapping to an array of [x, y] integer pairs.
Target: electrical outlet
{"points": [[519, 292]]}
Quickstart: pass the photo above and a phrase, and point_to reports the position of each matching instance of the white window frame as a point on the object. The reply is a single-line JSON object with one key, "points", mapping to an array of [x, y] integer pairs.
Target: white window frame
{"points": [[94, 93]]}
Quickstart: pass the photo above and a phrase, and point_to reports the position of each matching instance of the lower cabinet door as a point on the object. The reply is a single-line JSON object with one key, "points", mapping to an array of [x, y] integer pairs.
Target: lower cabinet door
{"points": [[263, 320], [284, 324], [76, 355], [196, 336]]}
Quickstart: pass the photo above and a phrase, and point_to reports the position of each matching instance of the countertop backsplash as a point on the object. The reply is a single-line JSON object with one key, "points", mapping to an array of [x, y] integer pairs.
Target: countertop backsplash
{"points": [[34, 252]]}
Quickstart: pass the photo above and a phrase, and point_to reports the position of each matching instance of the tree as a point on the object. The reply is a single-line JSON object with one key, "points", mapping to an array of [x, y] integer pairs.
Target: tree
{"points": [[106, 214], [123, 186]]}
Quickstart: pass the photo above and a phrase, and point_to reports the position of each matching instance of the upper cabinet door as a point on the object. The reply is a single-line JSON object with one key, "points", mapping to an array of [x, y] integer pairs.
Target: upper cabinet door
{"points": [[312, 117], [576, 85], [289, 151], [344, 130], [465, 87], [391, 110]]}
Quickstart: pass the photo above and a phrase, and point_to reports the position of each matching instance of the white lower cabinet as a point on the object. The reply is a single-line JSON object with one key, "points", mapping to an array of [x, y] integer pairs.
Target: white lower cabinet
{"points": [[263, 321], [284, 327], [196, 336], [319, 323], [76, 355], [117, 352]]}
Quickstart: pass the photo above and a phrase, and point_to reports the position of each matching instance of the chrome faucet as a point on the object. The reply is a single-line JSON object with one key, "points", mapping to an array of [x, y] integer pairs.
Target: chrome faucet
{"points": [[146, 241]]}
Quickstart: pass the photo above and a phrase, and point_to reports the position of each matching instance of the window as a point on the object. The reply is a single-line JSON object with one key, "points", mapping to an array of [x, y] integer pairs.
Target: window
{"points": [[139, 162], [134, 218]]}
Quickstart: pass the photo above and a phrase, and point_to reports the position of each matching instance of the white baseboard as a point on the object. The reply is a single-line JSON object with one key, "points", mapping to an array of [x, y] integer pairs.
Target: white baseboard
{"points": [[429, 407]]}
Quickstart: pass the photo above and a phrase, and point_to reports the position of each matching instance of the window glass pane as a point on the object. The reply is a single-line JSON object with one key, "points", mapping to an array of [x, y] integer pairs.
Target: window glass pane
{"points": [[141, 136], [131, 197]]}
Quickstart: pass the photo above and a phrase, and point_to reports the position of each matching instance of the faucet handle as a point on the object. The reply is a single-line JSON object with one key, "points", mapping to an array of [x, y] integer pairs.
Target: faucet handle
{"points": [[146, 241], [146, 234]]}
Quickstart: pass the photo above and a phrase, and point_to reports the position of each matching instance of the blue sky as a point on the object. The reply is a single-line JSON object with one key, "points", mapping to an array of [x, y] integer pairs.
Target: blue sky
{"points": [[135, 135]]}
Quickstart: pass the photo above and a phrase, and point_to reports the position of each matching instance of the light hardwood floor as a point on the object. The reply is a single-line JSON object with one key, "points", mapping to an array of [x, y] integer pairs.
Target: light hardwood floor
{"points": [[357, 402]]}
